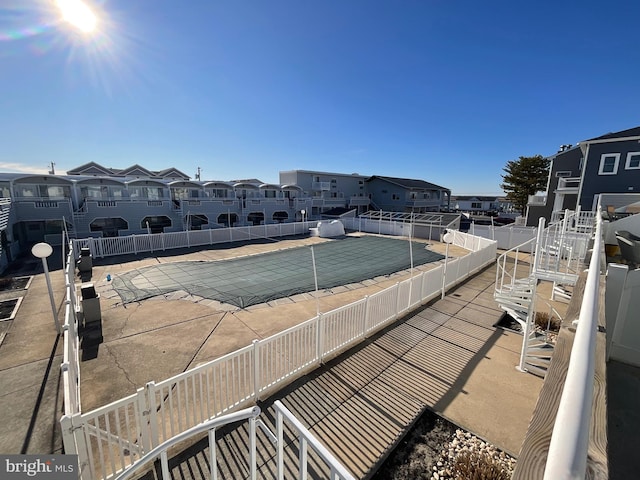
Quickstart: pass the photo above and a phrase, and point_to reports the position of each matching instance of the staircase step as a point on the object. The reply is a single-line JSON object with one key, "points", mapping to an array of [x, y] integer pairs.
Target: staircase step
{"points": [[540, 352], [538, 362], [540, 372], [523, 308]]}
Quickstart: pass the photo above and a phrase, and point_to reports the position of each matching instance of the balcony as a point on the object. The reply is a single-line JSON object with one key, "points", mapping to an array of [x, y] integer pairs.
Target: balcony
{"points": [[568, 185], [537, 201], [321, 186]]}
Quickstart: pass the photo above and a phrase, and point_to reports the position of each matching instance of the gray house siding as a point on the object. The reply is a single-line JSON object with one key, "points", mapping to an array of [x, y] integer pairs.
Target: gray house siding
{"points": [[568, 163], [386, 196], [623, 181]]}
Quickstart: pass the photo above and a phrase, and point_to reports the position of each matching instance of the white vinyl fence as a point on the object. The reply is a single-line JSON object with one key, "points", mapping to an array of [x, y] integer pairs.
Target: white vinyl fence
{"points": [[507, 236], [112, 437], [157, 242]]}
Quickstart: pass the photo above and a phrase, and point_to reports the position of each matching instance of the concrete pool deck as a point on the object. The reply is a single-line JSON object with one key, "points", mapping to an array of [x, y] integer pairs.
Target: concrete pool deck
{"points": [[163, 336]]}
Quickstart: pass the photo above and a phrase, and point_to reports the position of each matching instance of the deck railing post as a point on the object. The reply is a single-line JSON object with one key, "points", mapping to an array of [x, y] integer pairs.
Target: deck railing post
{"points": [[280, 435]]}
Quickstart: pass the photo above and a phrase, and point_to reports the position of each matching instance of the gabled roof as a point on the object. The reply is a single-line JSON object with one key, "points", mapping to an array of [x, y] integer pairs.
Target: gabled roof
{"points": [[91, 168], [631, 132], [408, 183], [136, 170], [172, 172]]}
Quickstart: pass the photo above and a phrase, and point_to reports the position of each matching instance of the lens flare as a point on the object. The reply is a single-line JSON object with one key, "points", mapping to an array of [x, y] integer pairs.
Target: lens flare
{"points": [[78, 14]]}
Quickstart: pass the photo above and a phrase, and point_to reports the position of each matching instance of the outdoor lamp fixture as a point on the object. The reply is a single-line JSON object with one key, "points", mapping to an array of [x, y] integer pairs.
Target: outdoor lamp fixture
{"points": [[43, 250], [447, 238], [303, 211]]}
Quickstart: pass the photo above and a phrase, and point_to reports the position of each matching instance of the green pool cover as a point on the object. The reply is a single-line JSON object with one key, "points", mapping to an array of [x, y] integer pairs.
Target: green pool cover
{"points": [[250, 280]]}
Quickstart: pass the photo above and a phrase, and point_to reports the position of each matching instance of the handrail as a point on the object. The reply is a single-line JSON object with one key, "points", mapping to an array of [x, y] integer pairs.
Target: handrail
{"points": [[306, 437], [567, 457], [248, 413]]}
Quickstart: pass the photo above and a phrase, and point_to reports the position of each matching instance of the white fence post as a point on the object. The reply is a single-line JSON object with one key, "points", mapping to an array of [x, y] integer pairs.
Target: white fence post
{"points": [[153, 413], [257, 379], [366, 316], [397, 299], [143, 412], [68, 441], [320, 338]]}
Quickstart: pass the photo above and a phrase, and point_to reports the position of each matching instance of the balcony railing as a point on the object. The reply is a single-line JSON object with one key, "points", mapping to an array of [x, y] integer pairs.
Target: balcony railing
{"points": [[322, 186], [568, 184], [537, 200]]}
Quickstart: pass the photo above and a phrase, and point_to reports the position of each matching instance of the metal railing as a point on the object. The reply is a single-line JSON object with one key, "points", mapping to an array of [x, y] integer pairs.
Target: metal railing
{"points": [[250, 414], [138, 423], [567, 458], [306, 440]]}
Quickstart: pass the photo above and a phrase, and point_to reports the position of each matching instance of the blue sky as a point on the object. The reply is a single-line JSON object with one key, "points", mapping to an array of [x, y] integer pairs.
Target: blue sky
{"points": [[442, 90]]}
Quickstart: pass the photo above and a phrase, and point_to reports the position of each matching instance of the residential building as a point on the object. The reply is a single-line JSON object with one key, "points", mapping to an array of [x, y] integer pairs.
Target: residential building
{"points": [[92, 200], [475, 203], [609, 163], [406, 195], [329, 190]]}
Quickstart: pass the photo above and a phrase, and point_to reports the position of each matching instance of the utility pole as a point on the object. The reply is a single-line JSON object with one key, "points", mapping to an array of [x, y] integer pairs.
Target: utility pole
{"points": [[198, 174], [53, 169]]}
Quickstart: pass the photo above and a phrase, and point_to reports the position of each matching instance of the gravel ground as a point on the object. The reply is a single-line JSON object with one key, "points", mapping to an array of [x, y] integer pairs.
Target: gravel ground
{"points": [[429, 452]]}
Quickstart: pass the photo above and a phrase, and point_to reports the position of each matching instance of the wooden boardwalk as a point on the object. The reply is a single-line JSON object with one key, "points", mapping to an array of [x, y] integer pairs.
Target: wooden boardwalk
{"points": [[362, 403]]}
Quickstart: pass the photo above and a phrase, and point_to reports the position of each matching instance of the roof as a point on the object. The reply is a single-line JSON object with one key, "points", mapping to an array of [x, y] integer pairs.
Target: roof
{"points": [[631, 132], [475, 197], [409, 183], [95, 169], [249, 180]]}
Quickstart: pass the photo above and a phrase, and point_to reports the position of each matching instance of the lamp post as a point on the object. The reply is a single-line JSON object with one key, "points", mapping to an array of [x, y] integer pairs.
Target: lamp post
{"points": [[43, 250], [447, 238], [303, 212]]}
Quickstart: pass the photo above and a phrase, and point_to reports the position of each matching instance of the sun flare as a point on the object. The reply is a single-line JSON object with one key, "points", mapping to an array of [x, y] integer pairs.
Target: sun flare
{"points": [[78, 14]]}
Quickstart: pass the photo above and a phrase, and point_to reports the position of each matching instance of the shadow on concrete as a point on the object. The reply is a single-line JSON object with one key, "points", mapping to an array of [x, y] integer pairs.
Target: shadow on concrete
{"points": [[39, 399]]}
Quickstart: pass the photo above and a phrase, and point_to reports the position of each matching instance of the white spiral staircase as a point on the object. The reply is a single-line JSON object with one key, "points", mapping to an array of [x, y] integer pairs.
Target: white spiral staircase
{"points": [[555, 255]]}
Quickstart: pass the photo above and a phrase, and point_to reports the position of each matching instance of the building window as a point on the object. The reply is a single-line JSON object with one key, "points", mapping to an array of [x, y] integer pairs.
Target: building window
{"points": [[316, 178], [476, 204], [609, 164], [395, 197], [633, 161], [563, 173]]}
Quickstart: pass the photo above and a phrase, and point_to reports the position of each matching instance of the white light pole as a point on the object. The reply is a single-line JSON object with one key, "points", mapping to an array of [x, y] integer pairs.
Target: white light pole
{"points": [[302, 212], [447, 238], [43, 250]]}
